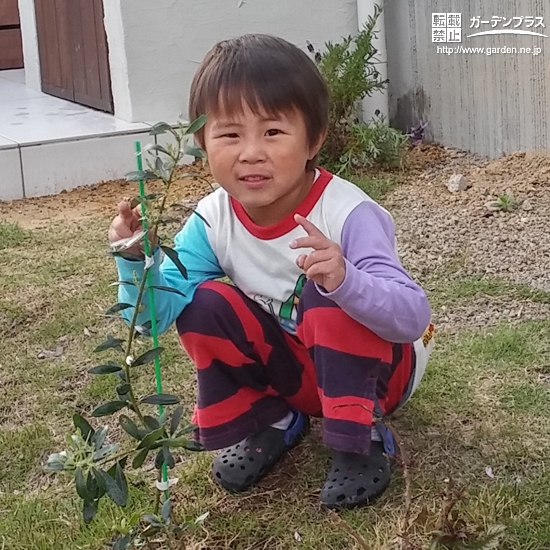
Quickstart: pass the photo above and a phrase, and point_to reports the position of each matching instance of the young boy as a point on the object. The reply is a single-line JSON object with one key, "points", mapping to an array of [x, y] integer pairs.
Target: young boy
{"points": [[322, 319]]}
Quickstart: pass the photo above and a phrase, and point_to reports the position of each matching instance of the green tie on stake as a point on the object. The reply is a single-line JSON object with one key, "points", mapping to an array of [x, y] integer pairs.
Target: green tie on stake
{"points": [[151, 293]]}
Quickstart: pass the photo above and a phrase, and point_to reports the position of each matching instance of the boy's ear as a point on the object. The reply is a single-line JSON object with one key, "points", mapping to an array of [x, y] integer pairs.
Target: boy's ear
{"points": [[316, 147]]}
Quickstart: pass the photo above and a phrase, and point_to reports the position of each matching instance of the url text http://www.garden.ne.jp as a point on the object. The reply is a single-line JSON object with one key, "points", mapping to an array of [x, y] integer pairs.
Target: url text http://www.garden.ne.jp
{"points": [[459, 49]]}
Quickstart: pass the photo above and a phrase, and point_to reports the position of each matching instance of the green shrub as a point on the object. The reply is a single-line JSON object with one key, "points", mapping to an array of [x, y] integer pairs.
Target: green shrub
{"points": [[349, 69], [370, 144]]}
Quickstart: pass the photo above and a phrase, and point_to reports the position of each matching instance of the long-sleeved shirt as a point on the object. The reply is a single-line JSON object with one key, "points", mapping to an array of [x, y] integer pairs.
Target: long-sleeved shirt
{"points": [[377, 291]]}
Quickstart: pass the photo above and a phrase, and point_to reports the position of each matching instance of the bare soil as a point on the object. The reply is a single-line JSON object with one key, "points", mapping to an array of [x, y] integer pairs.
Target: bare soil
{"points": [[94, 200]]}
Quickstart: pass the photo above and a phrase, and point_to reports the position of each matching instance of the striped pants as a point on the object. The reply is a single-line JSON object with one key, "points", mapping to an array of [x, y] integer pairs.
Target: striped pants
{"points": [[251, 372]]}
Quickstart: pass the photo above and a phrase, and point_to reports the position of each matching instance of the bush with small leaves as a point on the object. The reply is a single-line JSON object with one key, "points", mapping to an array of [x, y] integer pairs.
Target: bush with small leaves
{"points": [[350, 70]]}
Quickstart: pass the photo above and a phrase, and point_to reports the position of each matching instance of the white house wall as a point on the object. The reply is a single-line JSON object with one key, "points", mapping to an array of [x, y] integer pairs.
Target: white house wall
{"points": [[116, 39], [164, 41], [29, 37]]}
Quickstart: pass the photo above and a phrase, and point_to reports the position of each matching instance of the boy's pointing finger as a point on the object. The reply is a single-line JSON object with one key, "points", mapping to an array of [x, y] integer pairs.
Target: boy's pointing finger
{"points": [[310, 228], [315, 237]]}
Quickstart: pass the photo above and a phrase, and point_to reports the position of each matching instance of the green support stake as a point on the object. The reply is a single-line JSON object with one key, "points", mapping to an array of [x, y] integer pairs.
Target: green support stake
{"points": [[151, 293]]}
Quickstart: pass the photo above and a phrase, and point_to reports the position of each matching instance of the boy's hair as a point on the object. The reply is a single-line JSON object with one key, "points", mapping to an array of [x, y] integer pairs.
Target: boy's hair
{"points": [[265, 73]]}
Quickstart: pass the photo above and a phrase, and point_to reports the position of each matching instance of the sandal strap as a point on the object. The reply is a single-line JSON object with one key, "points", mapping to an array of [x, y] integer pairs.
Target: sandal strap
{"points": [[296, 428], [387, 438]]}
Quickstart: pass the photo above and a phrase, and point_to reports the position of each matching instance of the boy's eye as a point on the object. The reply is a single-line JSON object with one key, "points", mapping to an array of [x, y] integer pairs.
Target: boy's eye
{"points": [[273, 132], [230, 135]]}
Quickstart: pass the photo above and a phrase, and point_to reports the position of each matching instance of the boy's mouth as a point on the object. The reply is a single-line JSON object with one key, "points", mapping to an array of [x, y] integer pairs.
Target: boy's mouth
{"points": [[255, 180]]}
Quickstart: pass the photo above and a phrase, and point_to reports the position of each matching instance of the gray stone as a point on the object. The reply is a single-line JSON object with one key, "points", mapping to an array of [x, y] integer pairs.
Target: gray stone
{"points": [[526, 205], [457, 182]]}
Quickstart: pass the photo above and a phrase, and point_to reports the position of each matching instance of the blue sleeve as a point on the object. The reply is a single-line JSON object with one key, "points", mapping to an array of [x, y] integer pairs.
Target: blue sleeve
{"points": [[195, 253]]}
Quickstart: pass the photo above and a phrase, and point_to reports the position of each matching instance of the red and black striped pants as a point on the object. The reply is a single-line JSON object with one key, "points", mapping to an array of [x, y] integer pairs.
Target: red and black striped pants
{"points": [[251, 372]]}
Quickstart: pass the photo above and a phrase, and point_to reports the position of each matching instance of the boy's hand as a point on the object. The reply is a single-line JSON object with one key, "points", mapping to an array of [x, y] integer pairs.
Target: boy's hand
{"points": [[325, 265], [126, 225]]}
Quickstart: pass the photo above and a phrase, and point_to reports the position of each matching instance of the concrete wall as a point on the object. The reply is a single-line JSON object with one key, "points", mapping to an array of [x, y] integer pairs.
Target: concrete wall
{"points": [[155, 47], [487, 104]]}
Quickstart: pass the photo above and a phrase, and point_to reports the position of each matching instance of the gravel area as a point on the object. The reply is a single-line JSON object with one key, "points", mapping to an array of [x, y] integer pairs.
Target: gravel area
{"points": [[443, 234]]}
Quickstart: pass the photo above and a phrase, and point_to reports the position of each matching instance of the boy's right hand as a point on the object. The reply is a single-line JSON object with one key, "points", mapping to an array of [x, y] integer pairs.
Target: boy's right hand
{"points": [[125, 225]]}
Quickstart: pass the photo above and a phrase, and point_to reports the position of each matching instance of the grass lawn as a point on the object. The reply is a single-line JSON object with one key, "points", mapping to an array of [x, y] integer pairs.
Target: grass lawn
{"points": [[477, 432]]}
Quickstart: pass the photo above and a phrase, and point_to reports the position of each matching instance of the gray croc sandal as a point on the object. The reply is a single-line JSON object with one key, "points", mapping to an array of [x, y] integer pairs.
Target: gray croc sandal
{"points": [[239, 467], [355, 480]]}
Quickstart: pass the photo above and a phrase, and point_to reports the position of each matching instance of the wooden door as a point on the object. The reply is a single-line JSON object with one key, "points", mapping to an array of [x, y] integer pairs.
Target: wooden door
{"points": [[11, 48], [72, 45]]}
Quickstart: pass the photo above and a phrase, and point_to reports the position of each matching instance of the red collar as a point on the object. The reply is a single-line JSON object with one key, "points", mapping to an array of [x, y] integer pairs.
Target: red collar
{"points": [[287, 224]]}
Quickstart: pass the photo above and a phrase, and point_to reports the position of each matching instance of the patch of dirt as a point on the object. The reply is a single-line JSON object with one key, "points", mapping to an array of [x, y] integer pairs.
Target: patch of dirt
{"points": [[425, 155], [93, 200]]}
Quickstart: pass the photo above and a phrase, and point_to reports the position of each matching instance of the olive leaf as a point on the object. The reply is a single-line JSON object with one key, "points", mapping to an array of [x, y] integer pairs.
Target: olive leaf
{"points": [[168, 457], [161, 399], [151, 438], [123, 390], [151, 422], [110, 343], [173, 255], [108, 368], [121, 306], [89, 510], [140, 175], [80, 423], [80, 483], [123, 542], [169, 289], [176, 419], [165, 510], [122, 283], [109, 408], [99, 437], [147, 357], [162, 168], [196, 125], [140, 457], [193, 445], [160, 128], [116, 488], [129, 426], [196, 152]]}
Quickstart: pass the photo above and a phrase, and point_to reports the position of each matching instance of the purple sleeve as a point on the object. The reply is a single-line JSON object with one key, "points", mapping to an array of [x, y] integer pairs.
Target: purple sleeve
{"points": [[377, 291]]}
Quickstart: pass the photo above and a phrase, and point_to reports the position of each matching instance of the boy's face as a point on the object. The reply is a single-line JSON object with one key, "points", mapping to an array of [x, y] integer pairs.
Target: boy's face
{"points": [[260, 160]]}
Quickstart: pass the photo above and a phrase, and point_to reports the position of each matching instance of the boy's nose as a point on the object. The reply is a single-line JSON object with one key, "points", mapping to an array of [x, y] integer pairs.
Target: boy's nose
{"points": [[252, 152]]}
